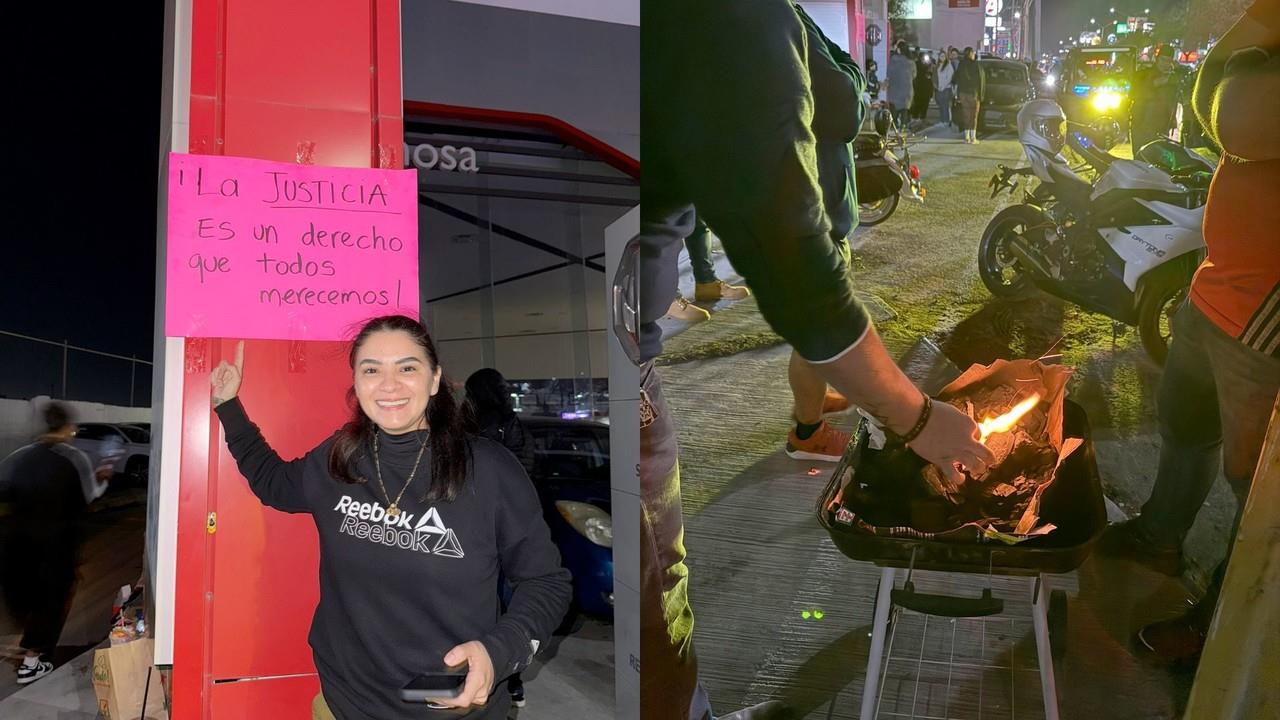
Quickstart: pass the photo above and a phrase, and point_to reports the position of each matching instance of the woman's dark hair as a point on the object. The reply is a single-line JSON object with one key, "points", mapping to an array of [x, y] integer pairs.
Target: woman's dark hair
{"points": [[448, 443], [488, 398]]}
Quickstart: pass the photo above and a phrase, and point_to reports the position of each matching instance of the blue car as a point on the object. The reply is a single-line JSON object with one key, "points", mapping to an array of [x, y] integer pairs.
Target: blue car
{"points": [[571, 474]]}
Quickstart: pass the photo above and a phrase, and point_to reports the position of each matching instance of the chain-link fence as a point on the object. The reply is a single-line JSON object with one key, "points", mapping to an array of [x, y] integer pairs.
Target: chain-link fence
{"points": [[39, 366]]}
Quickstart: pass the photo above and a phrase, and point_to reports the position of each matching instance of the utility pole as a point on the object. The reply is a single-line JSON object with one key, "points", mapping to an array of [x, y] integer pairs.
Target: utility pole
{"points": [[64, 370], [1039, 48]]}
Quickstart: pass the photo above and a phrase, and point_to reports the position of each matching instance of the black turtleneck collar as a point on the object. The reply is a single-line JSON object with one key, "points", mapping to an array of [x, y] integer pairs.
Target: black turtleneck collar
{"points": [[400, 449]]}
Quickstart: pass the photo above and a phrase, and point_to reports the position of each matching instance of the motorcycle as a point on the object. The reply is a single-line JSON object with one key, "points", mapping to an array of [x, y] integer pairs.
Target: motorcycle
{"points": [[880, 176], [1124, 245]]}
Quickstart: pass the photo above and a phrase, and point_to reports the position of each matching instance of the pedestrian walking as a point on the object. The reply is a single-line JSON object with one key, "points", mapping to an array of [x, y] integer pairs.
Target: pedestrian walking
{"points": [[901, 78], [50, 484]]}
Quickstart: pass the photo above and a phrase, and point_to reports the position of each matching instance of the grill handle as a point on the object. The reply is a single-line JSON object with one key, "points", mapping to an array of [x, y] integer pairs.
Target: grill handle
{"points": [[946, 605]]}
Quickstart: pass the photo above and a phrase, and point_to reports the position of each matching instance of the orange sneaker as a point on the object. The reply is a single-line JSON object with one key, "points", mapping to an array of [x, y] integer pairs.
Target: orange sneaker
{"points": [[826, 444], [719, 290], [834, 402], [682, 309]]}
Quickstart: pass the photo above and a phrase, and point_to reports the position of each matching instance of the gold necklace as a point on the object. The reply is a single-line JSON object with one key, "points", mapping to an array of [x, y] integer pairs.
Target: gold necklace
{"points": [[393, 509]]}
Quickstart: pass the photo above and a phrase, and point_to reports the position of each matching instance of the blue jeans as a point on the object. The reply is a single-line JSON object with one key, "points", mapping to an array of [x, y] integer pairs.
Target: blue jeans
{"points": [[699, 246], [1214, 401], [943, 98]]}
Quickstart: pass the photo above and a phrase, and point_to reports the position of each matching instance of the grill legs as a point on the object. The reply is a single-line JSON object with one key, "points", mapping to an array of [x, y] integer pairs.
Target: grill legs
{"points": [[1044, 653], [875, 659], [879, 633]]}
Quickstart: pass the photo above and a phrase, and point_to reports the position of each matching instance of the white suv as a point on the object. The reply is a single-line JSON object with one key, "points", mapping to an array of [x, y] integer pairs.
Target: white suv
{"points": [[129, 445]]}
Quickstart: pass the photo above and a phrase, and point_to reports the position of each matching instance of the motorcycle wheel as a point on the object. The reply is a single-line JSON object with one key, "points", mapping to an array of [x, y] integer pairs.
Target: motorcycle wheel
{"points": [[1162, 294], [996, 266], [877, 212]]}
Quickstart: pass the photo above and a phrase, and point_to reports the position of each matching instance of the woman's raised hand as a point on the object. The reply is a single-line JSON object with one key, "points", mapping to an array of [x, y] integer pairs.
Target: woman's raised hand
{"points": [[226, 377]]}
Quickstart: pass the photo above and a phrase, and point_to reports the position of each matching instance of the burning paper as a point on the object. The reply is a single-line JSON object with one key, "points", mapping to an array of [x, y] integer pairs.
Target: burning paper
{"points": [[1018, 408]]}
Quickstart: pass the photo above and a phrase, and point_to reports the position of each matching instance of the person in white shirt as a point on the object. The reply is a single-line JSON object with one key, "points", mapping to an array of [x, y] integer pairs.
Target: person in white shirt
{"points": [[944, 71]]}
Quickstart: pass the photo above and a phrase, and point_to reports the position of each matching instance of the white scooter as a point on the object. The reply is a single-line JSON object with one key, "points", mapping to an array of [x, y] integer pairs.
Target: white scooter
{"points": [[1125, 245]]}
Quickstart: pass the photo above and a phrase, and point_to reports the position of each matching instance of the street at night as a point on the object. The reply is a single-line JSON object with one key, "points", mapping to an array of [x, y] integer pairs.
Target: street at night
{"points": [[761, 569]]}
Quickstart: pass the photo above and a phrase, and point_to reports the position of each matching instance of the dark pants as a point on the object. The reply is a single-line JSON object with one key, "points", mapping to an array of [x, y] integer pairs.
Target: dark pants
{"points": [[969, 109], [699, 246], [1214, 404], [39, 575]]}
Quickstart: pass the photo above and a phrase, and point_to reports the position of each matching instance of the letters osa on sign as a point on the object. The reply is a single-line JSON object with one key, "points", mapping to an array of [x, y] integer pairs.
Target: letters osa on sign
{"points": [[430, 157]]}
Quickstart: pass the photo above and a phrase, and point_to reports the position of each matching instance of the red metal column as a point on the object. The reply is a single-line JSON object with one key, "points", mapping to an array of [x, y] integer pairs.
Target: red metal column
{"points": [[857, 33], [313, 82]]}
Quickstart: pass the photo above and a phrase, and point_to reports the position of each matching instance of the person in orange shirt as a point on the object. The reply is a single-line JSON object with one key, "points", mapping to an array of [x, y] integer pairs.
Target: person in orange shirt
{"points": [[1223, 370]]}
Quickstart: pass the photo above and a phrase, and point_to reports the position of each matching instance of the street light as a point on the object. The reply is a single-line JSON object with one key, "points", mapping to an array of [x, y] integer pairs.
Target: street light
{"points": [[1113, 10], [1017, 14], [1093, 21]]}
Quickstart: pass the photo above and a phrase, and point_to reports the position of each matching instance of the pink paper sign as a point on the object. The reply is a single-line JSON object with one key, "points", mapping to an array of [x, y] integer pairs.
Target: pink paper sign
{"points": [[268, 250]]}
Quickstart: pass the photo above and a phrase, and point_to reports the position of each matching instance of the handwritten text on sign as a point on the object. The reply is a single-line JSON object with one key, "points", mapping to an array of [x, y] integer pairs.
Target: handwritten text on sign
{"points": [[260, 249]]}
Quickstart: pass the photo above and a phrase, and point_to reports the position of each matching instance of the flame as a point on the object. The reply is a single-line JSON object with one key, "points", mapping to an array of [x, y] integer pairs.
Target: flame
{"points": [[1005, 422]]}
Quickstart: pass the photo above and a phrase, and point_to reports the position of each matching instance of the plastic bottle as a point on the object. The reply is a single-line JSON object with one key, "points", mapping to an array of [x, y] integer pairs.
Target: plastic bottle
{"points": [[122, 597], [141, 627]]}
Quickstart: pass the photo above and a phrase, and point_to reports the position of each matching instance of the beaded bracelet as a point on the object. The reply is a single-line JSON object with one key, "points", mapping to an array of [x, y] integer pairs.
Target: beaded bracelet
{"points": [[918, 428]]}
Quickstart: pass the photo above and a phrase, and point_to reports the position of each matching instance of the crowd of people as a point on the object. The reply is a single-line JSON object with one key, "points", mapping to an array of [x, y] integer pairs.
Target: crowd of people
{"points": [[951, 79]]}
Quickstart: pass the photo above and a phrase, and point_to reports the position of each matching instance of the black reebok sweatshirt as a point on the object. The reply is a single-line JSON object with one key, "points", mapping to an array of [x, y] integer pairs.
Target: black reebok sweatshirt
{"points": [[396, 596]]}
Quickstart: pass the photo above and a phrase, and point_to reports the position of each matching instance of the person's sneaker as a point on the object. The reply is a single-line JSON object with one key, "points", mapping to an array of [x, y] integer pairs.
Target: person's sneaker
{"points": [[1176, 641], [1127, 540], [826, 444], [834, 402], [517, 697], [682, 309], [719, 290], [31, 673]]}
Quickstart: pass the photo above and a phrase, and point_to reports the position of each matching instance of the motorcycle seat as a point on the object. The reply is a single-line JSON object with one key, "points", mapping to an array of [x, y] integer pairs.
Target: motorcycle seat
{"points": [[868, 145]]}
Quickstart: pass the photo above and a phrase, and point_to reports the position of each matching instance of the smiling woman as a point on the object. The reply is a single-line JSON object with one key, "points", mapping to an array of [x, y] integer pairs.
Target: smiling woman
{"points": [[409, 562]]}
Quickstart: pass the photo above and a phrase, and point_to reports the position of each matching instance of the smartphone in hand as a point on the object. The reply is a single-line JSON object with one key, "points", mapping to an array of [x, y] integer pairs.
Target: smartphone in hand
{"points": [[434, 686]]}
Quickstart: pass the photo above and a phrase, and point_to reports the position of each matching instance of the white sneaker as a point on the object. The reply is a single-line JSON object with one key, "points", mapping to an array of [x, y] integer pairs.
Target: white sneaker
{"points": [[31, 673]]}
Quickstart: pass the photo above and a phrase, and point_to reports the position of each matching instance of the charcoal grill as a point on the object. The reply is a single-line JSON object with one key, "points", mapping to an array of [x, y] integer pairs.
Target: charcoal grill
{"points": [[1074, 503]]}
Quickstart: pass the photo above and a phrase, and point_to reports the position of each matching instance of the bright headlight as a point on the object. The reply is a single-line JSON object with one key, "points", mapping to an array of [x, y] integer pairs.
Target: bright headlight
{"points": [[1050, 79], [593, 523], [1105, 100]]}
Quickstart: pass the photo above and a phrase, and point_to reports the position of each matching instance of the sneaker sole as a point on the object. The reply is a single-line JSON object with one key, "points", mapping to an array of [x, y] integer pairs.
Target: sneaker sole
{"points": [[802, 455], [28, 681], [518, 703]]}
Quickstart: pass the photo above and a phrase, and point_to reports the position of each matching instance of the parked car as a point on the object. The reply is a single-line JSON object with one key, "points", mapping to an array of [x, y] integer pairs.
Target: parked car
{"points": [[128, 445], [1008, 88], [571, 474]]}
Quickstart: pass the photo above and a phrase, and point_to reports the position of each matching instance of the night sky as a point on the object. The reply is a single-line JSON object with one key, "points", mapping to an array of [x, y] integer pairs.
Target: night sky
{"points": [[1064, 19], [80, 180]]}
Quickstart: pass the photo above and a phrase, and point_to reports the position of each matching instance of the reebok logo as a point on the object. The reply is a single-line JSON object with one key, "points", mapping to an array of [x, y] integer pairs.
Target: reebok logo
{"points": [[369, 522]]}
